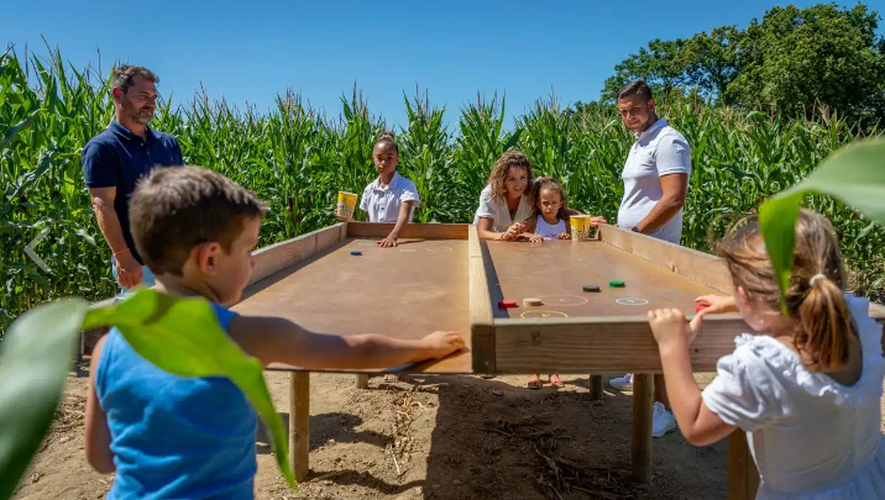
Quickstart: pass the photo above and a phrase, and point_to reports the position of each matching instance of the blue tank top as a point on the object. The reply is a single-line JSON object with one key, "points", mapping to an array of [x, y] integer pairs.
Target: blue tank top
{"points": [[171, 436]]}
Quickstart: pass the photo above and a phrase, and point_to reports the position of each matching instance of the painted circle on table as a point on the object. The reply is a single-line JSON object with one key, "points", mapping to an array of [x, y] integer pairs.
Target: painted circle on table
{"points": [[367, 244], [439, 249], [631, 301], [543, 315], [563, 300], [407, 250]]}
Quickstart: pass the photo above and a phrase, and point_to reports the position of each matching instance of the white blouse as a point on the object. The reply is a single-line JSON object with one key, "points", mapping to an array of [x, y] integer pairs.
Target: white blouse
{"points": [[497, 210], [811, 437]]}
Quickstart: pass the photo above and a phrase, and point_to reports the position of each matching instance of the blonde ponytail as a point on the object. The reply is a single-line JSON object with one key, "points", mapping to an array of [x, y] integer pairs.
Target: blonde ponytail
{"points": [[825, 325]]}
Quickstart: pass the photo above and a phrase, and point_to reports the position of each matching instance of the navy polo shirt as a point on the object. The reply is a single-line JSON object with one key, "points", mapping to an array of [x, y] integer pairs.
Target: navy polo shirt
{"points": [[118, 158]]}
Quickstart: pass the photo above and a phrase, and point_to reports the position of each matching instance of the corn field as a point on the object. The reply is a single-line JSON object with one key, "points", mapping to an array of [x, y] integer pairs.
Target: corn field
{"points": [[297, 159]]}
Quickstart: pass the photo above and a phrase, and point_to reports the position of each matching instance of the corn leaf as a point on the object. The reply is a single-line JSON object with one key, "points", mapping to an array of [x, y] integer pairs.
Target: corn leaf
{"points": [[35, 358], [854, 174]]}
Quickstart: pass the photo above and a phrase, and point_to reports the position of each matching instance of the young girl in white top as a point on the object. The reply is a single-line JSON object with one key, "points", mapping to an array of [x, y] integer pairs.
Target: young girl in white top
{"points": [[391, 197], [805, 387], [549, 221]]}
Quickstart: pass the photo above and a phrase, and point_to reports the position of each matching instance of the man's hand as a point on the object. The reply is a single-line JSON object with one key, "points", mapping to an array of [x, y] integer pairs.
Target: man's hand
{"points": [[674, 188], [128, 270], [596, 220]]}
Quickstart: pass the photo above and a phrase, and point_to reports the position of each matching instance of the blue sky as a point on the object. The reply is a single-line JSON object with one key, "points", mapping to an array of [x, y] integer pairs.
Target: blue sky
{"points": [[251, 51]]}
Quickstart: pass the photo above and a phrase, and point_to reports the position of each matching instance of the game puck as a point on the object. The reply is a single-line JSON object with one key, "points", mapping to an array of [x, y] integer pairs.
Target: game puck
{"points": [[591, 288], [356, 252], [700, 307], [507, 303], [616, 283], [531, 301]]}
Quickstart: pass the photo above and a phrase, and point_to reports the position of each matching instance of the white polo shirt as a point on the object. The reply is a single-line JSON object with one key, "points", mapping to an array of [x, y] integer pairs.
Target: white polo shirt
{"points": [[497, 210], [382, 204], [658, 151]]}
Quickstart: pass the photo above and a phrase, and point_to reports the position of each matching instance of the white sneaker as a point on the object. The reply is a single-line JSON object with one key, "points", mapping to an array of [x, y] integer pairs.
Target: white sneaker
{"points": [[662, 420], [624, 383]]}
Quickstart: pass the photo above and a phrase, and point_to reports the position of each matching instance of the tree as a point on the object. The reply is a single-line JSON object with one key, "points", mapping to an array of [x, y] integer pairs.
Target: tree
{"points": [[796, 60], [711, 62], [658, 65]]}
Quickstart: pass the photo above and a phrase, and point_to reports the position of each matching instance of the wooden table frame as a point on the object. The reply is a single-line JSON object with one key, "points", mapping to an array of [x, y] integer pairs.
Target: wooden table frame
{"points": [[511, 346]]}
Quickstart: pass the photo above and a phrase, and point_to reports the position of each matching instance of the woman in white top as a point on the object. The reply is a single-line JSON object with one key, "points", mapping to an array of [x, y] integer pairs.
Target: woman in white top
{"points": [[506, 199], [806, 387]]}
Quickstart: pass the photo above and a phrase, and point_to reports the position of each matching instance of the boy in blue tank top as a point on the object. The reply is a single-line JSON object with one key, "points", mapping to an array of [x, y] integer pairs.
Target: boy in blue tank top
{"points": [[167, 436]]}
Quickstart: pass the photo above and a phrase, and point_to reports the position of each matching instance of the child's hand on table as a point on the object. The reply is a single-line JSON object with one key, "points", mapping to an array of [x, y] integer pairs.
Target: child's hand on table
{"points": [[669, 327], [441, 344], [716, 304], [388, 242], [565, 235], [534, 238]]}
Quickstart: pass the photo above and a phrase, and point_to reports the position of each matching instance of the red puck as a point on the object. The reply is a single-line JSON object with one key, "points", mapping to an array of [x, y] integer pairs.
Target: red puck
{"points": [[700, 307], [507, 303]]}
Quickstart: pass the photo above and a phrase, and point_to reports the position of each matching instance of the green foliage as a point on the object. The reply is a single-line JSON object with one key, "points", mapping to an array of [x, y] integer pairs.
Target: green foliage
{"points": [[797, 61], [660, 65], [854, 174], [34, 362], [800, 59]]}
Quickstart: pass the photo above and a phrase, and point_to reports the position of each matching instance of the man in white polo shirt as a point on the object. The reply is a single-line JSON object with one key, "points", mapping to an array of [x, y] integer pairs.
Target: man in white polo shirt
{"points": [[655, 184]]}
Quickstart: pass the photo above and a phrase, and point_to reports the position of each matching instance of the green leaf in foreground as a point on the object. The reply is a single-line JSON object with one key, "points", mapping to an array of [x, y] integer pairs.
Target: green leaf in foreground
{"points": [[183, 337], [854, 174], [34, 363]]}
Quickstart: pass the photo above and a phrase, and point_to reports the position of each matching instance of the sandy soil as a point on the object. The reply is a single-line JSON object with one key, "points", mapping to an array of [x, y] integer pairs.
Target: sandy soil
{"points": [[453, 437]]}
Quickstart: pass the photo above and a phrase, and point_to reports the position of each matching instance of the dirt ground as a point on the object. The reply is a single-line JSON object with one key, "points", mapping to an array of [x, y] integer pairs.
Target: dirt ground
{"points": [[439, 437]]}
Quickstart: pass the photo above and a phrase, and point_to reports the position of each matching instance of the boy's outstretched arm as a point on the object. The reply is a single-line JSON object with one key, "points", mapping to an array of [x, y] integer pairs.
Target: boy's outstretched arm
{"points": [[98, 436], [277, 340]]}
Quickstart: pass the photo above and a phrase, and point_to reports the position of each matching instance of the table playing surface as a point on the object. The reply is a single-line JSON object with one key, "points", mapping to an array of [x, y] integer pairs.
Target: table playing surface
{"points": [[556, 272], [422, 285]]}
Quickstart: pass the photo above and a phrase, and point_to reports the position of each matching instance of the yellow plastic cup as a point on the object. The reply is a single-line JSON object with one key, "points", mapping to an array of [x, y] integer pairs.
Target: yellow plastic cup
{"points": [[346, 203], [580, 227]]}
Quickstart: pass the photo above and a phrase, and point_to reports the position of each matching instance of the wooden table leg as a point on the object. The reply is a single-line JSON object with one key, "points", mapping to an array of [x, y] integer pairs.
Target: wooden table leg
{"points": [[743, 478], [641, 443], [595, 384], [299, 423], [362, 381]]}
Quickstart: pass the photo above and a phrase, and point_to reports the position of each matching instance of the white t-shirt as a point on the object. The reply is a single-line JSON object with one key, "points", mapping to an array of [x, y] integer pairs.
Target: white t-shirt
{"points": [[549, 231], [658, 151], [498, 210], [382, 204]]}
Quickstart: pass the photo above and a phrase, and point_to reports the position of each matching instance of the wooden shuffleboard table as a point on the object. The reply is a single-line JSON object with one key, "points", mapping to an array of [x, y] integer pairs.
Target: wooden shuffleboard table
{"points": [[443, 277]]}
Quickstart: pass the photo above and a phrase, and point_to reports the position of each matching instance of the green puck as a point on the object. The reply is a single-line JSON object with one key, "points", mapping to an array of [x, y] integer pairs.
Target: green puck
{"points": [[616, 283]]}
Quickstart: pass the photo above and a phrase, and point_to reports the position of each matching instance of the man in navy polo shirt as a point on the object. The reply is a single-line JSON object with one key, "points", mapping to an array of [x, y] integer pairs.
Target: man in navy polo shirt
{"points": [[114, 161]]}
